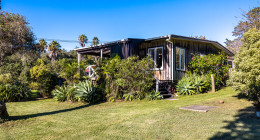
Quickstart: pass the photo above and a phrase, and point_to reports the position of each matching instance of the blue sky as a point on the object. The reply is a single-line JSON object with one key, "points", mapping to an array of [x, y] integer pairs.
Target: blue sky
{"points": [[111, 20]]}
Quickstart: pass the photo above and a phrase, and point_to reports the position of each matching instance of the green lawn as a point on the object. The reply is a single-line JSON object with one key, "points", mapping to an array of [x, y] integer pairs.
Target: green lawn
{"points": [[162, 119]]}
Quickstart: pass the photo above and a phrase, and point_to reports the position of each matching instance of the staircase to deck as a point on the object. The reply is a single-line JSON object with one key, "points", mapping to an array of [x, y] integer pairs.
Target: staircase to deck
{"points": [[166, 88]]}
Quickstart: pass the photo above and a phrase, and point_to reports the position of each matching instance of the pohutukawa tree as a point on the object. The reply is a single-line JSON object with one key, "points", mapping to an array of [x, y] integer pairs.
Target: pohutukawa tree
{"points": [[95, 41], [83, 40], [54, 48], [15, 34], [245, 77]]}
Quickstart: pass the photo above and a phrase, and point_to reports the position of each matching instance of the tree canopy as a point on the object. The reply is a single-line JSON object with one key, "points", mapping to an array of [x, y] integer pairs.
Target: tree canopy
{"points": [[249, 20], [15, 34], [245, 77], [83, 40]]}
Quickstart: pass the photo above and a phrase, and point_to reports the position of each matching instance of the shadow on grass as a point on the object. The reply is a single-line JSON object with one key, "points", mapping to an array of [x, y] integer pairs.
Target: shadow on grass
{"points": [[245, 126], [241, 96], [47, 113]]}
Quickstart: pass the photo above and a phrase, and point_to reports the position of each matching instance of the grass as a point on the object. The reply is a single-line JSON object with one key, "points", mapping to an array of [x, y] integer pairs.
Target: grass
{"points": [[162, 119]]}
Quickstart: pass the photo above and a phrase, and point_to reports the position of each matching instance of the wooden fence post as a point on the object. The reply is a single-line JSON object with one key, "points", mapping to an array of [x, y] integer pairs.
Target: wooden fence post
{"points": [[213, 83]]}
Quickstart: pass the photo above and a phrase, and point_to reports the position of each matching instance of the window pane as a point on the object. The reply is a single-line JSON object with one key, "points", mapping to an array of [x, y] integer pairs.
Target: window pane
{"points": [[178, 58], [229, 63], [182, 59], [159, 57], [151, 53]]}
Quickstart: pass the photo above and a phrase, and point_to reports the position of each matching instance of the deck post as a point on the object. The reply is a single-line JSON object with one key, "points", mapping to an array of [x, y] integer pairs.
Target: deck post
{"points": [[157, 85], [79, 59], [101, 54], [213, 83]]}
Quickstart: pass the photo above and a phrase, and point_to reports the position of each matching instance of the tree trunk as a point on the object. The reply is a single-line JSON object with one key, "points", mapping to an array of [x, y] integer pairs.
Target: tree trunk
{"points": [[3, 112]]}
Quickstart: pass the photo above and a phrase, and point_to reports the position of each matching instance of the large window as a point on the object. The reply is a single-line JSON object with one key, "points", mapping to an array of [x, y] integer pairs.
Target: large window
{"points": [[180, 59], [156, 54]]}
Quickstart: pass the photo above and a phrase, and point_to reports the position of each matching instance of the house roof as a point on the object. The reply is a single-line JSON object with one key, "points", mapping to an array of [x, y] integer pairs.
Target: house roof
{"points": [[104, 45]]}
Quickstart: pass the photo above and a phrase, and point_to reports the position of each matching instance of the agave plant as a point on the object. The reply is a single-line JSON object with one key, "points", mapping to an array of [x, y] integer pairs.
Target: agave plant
{"points": [[199, 84], [185, 86], [64, 93], [86, 91]]}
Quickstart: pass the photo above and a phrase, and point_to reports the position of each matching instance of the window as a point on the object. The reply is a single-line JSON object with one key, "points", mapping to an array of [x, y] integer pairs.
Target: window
{"points": [[156, 54], [230, 64], [180, 59]]}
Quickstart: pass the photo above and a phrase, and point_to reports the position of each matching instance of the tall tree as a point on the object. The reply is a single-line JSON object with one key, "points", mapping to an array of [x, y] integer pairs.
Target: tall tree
{"points": [[42, 45], [245, 77], [54, 48], [82, 40], [95, 41], [15, 34], [249, 20]]}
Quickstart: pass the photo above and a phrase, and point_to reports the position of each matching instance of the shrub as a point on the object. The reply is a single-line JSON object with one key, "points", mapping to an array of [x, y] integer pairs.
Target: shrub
{"points": [[5, 78], [245, 77], [107, 75], [45, 79], [135, 76], [130, 78], [13, 92], [210, 64], [192, 84]]}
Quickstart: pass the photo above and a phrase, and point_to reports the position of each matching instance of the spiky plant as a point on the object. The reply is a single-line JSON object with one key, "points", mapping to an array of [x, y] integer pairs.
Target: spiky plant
{"points": [[64, 93], [86, 91], [185, 87]]}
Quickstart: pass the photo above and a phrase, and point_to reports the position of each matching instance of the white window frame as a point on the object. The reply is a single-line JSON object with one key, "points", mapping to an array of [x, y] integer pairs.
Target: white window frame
{"points": [[155, 55], [180, 59]]}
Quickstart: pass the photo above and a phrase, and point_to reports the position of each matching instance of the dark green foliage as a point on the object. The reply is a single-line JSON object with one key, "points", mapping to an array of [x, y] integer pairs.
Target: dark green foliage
{"points": [[16, 35], [153, 96], [211, 64], [130, 78], [192, 84], [13, 92]]}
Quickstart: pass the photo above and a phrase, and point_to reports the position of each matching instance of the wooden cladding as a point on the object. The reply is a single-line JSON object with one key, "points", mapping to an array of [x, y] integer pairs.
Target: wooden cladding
{"points": [[190, 47]]}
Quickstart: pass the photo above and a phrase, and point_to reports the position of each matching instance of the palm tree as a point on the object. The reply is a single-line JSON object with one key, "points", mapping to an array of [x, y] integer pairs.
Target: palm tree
{"points": [[42, 45], [82, 40], [54, 48], [95, 41]]}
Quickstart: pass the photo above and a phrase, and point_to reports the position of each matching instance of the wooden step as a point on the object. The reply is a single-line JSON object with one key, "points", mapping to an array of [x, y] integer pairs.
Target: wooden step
{"points": [[167, 95]]}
